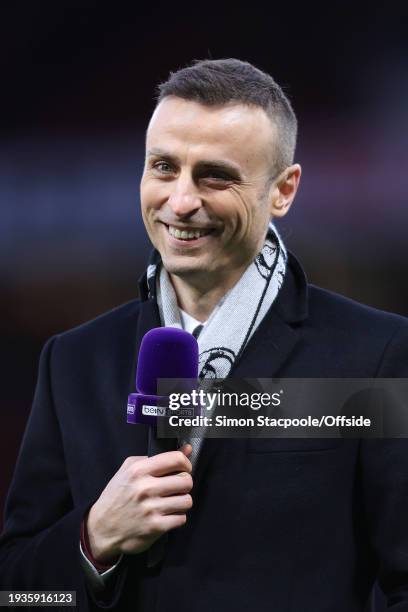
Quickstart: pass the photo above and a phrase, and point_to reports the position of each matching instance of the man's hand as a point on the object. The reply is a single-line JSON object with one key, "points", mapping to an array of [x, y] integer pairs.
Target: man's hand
{"points": [[147, 497]]}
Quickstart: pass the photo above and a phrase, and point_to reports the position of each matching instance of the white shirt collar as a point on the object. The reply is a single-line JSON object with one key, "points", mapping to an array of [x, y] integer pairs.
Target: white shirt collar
{"points": [[189, 323]]}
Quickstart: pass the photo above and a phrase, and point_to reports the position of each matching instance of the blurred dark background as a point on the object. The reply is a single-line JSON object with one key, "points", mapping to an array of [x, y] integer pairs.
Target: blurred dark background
{"points": [[77, 86]]}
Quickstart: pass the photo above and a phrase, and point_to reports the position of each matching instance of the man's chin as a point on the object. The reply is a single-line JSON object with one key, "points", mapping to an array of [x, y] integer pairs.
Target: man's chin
{"points": [[185, 270]]}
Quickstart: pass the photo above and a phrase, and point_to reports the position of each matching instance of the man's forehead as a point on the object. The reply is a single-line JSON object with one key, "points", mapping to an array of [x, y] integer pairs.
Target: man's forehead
{"points": [[235, 129]]}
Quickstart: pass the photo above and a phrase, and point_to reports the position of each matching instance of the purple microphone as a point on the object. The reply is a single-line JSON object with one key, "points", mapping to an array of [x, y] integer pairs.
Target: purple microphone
{"points": [[165, 352]]}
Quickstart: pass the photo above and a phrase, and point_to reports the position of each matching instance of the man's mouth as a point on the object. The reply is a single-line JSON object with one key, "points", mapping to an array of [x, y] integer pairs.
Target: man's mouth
{"points": [[188, 233]]}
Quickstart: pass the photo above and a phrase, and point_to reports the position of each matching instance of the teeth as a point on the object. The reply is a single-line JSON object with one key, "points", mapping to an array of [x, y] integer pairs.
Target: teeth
{"points": [[187, 234]]}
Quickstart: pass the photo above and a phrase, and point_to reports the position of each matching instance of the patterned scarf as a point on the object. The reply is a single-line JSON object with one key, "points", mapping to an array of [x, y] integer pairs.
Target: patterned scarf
{"points": [[235, 318]]}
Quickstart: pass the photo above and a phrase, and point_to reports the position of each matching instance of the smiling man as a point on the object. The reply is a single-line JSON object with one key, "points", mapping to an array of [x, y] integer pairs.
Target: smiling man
{"points": [[210, 187], [228, 525]]}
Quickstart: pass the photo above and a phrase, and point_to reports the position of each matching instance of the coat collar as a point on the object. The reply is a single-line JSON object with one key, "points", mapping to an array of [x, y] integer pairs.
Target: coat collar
{"points": [[149, 318], [292, 301]]}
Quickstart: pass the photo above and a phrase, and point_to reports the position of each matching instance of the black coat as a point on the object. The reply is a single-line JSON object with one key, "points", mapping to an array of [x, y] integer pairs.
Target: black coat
{"points": [[280, 526]]}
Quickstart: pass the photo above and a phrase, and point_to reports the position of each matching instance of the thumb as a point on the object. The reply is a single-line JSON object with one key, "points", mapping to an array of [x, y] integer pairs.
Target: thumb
{"points": [[186, 449]]}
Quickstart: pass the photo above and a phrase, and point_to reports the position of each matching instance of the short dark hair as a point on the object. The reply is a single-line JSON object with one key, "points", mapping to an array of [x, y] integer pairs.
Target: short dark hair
{"points": [[222, 81]]}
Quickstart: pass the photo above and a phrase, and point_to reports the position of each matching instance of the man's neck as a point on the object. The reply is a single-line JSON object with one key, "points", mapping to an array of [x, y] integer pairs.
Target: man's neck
{"points": [[197, 301]]}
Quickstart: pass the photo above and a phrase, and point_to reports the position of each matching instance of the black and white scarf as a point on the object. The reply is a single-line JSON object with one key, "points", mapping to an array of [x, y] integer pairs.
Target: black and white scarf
{"points": [[238, 314]]}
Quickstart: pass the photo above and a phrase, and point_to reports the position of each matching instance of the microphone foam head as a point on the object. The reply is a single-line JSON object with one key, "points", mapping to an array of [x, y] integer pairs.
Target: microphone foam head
{"points": [[165, 352]]}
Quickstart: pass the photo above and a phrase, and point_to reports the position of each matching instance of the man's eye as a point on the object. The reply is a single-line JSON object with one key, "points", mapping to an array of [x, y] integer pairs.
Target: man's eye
{"points": [[219, 176], [163, 167]]}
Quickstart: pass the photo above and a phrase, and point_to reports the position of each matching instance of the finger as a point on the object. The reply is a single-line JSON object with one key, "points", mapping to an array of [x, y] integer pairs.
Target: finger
{"points": [[176, 484], [175, 504], [165, 464], [172, 521], [186, 449]]}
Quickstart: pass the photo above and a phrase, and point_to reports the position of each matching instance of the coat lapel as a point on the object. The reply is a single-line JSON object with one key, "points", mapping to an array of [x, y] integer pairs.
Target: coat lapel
{"points": [[267, 352], [268, 349], [277, 336]]}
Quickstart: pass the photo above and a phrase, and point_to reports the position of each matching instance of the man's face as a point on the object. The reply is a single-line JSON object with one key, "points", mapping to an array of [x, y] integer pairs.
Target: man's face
{"points": [[206, 200]]}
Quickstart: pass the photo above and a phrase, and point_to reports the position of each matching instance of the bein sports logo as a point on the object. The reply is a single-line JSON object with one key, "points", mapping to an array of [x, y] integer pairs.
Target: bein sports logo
{"points": [[154, 411]]}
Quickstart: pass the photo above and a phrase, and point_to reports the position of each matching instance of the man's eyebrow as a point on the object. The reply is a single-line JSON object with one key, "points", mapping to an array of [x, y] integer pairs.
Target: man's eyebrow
{"points": [[216, 164], [160, 153]]}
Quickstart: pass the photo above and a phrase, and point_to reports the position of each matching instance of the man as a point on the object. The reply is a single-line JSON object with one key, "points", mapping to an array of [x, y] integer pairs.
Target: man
{"points": [[270, 524]]}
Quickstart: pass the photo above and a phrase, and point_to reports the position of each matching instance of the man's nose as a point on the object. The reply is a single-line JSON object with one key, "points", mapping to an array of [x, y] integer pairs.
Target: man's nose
{"points": [[184, 200]]}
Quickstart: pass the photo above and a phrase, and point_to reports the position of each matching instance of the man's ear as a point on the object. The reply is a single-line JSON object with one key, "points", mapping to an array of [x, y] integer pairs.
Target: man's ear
{"points": [[284, 190]]}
